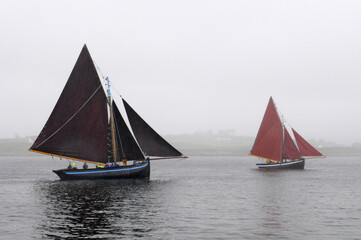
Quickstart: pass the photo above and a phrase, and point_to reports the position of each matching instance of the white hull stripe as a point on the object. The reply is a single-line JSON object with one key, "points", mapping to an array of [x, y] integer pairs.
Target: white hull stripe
{"points": [[105, 171], [278, 164]]}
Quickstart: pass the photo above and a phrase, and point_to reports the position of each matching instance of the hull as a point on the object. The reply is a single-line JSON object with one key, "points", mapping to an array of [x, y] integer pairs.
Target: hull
{"points": [[298, 164], [133, 171]]}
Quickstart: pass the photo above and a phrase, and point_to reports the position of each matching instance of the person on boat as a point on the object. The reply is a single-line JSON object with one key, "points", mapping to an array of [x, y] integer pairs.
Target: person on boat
{"points": [[100, 166], [124, 162], [85, 165], [106, 165], [112, 165], [74, 166], [69, 166]]}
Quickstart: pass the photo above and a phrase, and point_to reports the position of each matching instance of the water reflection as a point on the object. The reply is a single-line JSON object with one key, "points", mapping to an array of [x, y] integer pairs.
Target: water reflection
{"points": [[96, 209], [271, 205]]}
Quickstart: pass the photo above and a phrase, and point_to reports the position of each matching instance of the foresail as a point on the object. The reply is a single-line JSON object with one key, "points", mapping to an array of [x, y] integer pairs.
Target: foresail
{"points": [[268, 143], [127, 147], [305, 148], [77, 126], [289, 150], [151, 143]]}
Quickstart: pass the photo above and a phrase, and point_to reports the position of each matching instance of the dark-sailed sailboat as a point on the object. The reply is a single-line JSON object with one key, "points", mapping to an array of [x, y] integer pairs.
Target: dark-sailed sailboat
{"points": [[86, 125], [274, 143]]}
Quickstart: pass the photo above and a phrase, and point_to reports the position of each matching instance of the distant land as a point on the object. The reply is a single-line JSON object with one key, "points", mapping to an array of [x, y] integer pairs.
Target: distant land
{"points": [[223, 143]]}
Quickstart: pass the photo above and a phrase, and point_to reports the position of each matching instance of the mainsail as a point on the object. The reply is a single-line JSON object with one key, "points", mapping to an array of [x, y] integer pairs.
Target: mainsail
{"points": [[77, 127], [305, 148], [151, 143], [268, 143]]}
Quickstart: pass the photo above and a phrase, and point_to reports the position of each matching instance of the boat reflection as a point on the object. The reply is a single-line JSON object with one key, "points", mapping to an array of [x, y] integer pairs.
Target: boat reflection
{"points": [[271, 205], [94, 209]]}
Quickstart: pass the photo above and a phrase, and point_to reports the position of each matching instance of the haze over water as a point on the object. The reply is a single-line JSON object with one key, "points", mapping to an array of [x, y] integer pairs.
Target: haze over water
{"points": [[197, 198], [189, 66]]}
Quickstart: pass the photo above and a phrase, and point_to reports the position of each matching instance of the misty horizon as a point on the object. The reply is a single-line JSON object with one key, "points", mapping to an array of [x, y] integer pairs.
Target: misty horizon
{"points": [[190, 66], [223, 135]]}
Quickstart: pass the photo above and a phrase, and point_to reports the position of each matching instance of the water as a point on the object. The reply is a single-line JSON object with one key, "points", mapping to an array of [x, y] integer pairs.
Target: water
{"points": [[196, 198]]}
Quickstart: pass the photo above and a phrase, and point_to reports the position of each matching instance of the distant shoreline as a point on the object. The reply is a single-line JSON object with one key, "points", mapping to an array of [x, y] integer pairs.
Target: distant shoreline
{"points": [[199, 144]]}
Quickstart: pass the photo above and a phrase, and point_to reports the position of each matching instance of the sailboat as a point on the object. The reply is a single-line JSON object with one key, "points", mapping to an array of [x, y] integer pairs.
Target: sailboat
{"points": [[275, 144], [86, 125]]}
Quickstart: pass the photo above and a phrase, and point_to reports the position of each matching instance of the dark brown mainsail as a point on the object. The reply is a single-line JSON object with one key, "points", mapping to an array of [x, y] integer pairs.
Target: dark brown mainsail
{"points": [[77, 127], [151, 143]]}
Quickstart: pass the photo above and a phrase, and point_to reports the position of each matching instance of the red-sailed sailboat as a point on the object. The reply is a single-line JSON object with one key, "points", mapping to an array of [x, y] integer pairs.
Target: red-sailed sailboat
{"points": [[274, 143]]}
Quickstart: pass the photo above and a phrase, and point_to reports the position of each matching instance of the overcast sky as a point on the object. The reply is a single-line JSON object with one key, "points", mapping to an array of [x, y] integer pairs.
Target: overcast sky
{"points": [[188, 66]]}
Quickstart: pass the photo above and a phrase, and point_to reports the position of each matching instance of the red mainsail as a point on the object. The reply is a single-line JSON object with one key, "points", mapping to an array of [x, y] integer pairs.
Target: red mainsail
{"points": [[268, 143], [305, 148]]}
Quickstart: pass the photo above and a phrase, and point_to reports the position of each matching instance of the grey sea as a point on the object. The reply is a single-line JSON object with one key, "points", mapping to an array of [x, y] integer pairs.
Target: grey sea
{"points": [[195, 198]]}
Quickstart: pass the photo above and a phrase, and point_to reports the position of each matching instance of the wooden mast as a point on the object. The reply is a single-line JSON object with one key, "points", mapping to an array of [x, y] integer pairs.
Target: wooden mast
{"points": [[283, 130], [112, 123]]}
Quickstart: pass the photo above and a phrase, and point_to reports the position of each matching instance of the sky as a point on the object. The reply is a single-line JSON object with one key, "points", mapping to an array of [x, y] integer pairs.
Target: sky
{"points": [[190, 66]]}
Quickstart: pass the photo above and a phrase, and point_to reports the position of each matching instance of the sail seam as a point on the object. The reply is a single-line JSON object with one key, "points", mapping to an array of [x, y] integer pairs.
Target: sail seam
{"points": [[70, 117]]}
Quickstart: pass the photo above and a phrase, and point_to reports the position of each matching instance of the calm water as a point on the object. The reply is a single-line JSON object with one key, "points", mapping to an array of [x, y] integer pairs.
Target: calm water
{"points": [[196, 198]]}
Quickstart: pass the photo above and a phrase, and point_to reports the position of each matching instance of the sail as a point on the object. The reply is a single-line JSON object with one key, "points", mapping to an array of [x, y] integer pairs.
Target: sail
{"points": [[268, 143], [151, 143], [77, 126], [305, 148], [290, 150], [127, 147]]}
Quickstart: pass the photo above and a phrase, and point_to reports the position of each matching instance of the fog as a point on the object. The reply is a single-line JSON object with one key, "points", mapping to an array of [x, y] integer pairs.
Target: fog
{"points": [[190, 66]]}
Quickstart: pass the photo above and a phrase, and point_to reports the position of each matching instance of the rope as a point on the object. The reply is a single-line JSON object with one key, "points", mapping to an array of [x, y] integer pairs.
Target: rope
{"points": [[69, 118]]}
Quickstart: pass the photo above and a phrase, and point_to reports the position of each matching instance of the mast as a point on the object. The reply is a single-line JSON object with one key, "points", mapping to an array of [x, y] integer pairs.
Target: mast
{"points": [[283, 131], [288, 148], [283, 141], [110, 102]]}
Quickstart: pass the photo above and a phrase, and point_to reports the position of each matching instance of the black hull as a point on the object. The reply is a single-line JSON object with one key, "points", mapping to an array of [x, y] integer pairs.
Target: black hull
{"points": [[298, 164], [133, 171]]}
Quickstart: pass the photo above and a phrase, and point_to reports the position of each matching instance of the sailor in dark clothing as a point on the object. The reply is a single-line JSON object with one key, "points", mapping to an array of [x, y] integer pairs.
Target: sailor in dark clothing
{"points": [[85, 165]]}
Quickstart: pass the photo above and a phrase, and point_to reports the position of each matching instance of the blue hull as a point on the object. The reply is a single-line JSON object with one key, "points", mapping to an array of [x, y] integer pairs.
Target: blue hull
{"points": [[133, 171]]}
